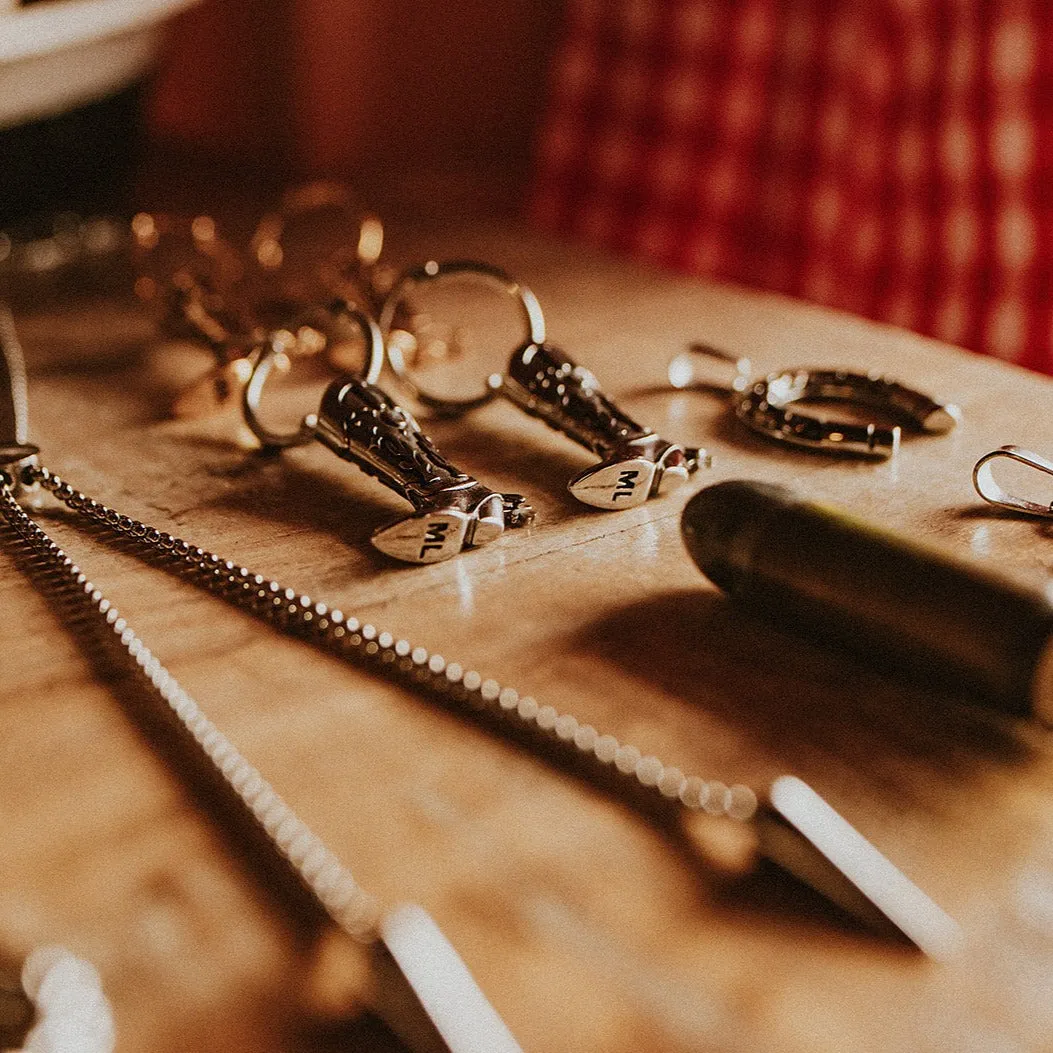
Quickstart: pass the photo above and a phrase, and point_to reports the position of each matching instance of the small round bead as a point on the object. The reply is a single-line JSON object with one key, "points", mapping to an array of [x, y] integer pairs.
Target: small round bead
{"points": [[626, 759], [585, 737], [490, 690], [566, 726], [527, 708], [547, 717], [321, 609], [402, 648], [287, 831], [606, 748], [454, 672], [691, 792], [649, 770], [386, 640], [419, 655], [670, 783], [313, 861], [112, 615], [372, 647], [97, 597], [472, 680], [119, 625], [717, 798], [288, 594], [742, 803], [353, 624], [369, 632], [300, 846], [509, 698], [436, 663], [336, 617]]}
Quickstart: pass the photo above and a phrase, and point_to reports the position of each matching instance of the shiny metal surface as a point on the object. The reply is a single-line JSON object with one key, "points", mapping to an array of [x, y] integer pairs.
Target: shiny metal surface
{"points": [[361, 424], [546, 383], [451, 270], [763, 405], [991, 491]]}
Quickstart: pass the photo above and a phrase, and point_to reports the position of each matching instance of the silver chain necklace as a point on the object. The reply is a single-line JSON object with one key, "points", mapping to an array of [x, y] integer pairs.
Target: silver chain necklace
{"points": [[795, 826]]}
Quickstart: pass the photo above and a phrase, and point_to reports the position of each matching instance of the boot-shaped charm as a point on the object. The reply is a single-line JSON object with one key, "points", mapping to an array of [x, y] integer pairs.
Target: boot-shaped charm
{"points": [[637, 464], [360, 423]]}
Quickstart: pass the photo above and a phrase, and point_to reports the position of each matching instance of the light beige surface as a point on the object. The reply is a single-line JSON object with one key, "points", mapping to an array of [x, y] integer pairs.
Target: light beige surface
{"points": [[589, 929]]}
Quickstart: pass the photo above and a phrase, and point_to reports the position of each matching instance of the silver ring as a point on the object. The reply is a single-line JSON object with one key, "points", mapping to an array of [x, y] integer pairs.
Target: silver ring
{"points": [[533, 318], [253, 392]]}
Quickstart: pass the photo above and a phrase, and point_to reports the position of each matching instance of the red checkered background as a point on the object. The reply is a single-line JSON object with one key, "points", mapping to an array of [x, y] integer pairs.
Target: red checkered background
{"points": [[893, 158]]}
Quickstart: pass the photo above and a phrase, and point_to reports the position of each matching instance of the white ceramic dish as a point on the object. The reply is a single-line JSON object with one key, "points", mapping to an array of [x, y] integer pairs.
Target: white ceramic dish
{"points": [[61, 54]]}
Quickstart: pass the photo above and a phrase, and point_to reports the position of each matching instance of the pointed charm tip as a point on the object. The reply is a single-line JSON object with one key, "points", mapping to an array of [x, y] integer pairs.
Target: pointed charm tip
{"points": [[616, 484], [802, 833], [424, 538]]}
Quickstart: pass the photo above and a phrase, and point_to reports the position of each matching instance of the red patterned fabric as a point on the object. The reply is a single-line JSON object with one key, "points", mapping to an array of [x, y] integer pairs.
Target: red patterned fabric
{"points": [[893, 158]]}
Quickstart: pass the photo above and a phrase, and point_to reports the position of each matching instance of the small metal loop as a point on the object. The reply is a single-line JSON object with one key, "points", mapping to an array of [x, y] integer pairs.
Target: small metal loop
{"points": [[533, 318], [682, 370], [253, 392], [371, 330], [986, 486]]}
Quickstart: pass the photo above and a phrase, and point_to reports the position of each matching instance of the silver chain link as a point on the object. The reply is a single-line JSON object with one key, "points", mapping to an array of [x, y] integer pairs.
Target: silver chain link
{"points": [[332, 884], [398, 659]]}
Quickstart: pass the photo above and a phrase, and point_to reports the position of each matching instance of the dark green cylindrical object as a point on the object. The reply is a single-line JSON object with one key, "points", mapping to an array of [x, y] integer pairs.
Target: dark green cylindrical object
{"points": [[811, 566]]}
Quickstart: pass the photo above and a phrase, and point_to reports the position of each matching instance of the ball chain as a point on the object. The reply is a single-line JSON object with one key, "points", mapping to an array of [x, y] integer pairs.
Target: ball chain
{"points": [[331, 628], [350, 906]]}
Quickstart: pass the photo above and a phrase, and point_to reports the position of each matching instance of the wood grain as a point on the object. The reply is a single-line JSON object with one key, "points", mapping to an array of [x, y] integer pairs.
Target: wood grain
{"points": [[591, 928]]}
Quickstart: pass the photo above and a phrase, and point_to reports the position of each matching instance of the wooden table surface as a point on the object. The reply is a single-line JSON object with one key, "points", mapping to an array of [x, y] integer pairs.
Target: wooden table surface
{"points": [[590, 927]]}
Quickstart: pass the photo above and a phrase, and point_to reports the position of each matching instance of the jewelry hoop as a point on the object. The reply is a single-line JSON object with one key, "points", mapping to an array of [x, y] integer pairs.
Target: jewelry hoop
{"points": [[488, 274], [994, 493], [261, 371]]}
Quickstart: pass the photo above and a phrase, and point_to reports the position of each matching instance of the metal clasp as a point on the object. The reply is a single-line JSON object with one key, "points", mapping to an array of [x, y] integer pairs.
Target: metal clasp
{"points": [[15, 451], [986, 486]]}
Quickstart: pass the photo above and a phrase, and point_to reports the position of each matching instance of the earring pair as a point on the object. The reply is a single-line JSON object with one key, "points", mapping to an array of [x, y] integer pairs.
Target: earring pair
{"points": [[636, 464], [361, 424]]}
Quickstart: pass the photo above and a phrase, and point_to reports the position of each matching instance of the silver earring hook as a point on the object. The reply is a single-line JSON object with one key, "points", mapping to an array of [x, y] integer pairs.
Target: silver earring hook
{"points": [[991, 491], [683, 370]]}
